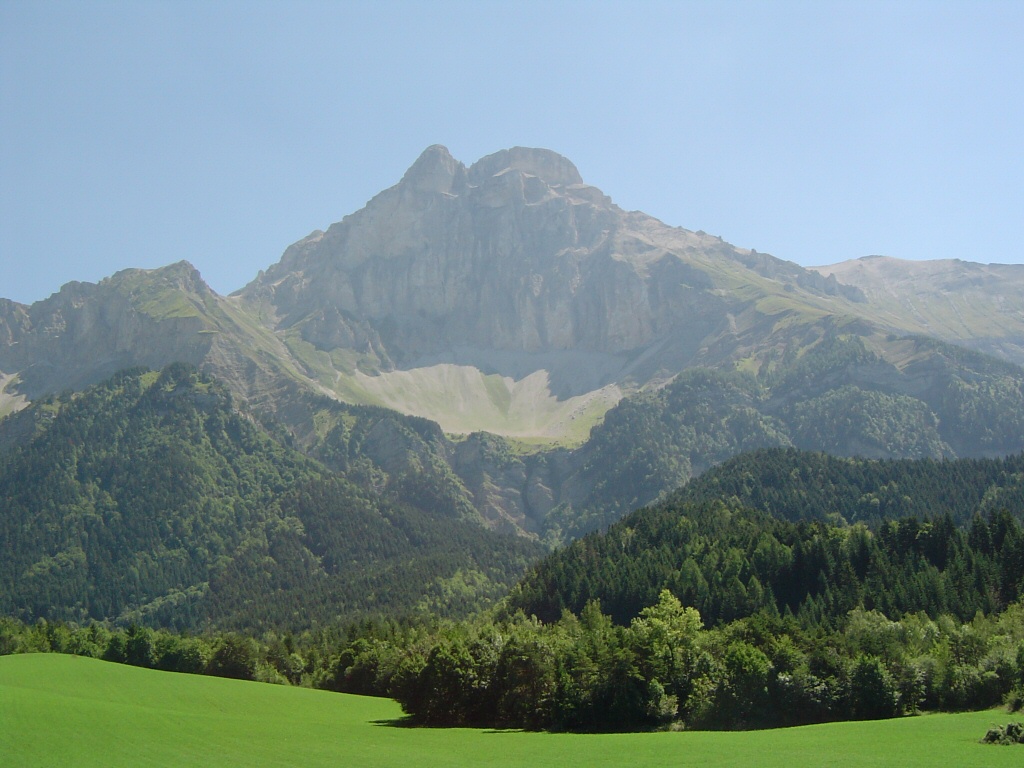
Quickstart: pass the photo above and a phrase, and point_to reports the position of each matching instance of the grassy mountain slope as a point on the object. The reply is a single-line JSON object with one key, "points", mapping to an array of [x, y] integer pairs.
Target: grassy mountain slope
{"points": [[978, 305], [462, 399]]}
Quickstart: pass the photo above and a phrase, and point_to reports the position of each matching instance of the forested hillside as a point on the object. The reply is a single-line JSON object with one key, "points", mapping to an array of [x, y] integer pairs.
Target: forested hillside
{"points": [[723, 616], [830, 393], [802, 485], [836, 395], [728, 561], [499, 341], [150, 498]]}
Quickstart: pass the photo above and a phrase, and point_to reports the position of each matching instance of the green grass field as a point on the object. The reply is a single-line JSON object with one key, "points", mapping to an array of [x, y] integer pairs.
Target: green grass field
{"points": [[64, 710]]}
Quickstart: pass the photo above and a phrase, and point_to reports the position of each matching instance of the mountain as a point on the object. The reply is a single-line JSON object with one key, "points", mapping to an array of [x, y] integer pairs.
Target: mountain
{"points": [[86, 332], [980, 306], [512, 297], [501, 342], [508, 297], [152, 498]]}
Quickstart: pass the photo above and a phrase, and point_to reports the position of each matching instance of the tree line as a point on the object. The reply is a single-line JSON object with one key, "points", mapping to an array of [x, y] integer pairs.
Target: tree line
{"points": [[587, 673], [802, 485], [729, 561], [685, 614]]}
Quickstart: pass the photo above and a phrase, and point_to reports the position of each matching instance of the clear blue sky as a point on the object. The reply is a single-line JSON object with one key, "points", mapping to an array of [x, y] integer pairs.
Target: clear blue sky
{"points": [[141, 133]]}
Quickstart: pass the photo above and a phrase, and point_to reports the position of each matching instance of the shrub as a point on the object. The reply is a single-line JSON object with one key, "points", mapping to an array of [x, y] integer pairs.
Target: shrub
{"points": [[1011, 733], [1015, 699]]}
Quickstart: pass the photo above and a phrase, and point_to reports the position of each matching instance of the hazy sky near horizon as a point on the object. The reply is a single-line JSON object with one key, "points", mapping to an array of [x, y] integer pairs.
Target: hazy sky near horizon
{"points": [[136, 134]]}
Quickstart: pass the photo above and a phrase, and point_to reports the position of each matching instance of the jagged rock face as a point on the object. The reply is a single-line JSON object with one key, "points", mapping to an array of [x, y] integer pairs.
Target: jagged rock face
{"points": [[88, 331], [513, 253], [149, 318]]}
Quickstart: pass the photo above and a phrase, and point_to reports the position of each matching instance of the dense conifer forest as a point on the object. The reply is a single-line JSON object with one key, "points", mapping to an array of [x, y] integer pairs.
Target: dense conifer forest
{"points": [[800, 485], [730, 562]]}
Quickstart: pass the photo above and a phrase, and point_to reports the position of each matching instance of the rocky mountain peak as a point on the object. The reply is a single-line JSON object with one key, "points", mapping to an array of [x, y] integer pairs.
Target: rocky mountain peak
{"points": [[435, 170], [510, 266], [550, 167], [506, 295], [87, 331]]}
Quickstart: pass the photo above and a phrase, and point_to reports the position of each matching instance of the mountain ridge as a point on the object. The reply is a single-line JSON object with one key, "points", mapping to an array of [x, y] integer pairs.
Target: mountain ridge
{"points": [[509, 297], [977, 305], [602, 300], [511, 267]]}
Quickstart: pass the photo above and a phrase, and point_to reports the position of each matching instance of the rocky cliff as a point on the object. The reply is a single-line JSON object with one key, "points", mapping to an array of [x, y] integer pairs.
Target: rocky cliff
{"points": [[148, 318], [510, 267], [86, 331]]}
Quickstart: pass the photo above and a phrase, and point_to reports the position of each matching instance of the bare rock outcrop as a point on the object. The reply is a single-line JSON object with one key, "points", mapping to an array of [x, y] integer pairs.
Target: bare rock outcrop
{"points": [[88, 331]]}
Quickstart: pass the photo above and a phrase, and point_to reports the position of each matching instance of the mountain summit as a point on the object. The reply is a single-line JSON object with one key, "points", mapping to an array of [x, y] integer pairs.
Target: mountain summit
{"points": [[516, 268]]}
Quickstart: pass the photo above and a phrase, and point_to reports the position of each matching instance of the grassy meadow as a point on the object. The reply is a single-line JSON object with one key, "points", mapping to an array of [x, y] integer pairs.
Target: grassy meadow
{"points": [[66, 710]]}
